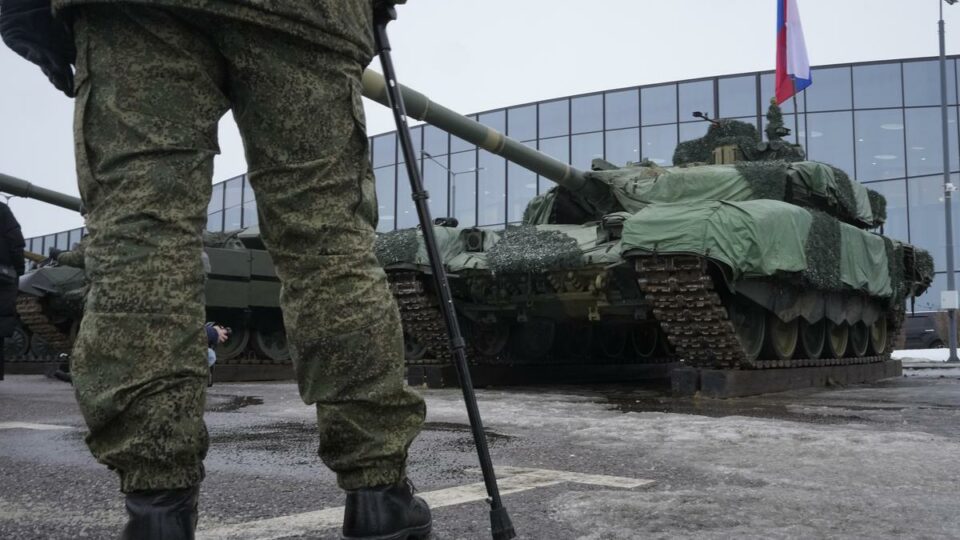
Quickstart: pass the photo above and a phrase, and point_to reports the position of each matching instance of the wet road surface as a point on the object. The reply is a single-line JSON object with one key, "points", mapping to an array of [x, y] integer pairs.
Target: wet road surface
{"points": [[872, 461]]}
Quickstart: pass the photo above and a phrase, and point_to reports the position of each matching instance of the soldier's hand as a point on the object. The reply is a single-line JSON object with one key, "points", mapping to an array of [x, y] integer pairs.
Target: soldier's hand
{"points": [[30, 29]]}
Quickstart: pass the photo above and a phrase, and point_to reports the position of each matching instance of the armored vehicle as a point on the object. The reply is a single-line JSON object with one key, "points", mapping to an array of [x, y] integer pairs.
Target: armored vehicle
{"points": [[743, 254], [242, 292]]}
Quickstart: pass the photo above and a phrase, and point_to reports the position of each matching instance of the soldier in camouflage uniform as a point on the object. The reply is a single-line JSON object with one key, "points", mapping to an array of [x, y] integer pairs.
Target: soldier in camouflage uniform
{"points": [[153, 77]]}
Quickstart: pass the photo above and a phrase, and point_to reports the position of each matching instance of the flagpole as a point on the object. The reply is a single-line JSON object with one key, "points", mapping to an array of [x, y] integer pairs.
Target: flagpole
{"points": [[948, 189]]}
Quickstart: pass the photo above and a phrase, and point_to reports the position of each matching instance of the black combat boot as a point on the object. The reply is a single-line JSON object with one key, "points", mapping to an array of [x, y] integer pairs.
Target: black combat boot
{"points": [[162, 514], [386, 513]]}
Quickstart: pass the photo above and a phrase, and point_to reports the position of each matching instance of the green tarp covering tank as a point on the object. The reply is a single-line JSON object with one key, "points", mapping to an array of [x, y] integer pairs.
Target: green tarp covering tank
{"points": [[743, 254]]}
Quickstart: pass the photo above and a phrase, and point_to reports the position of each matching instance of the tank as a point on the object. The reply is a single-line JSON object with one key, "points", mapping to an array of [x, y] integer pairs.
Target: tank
{"points": [[742, 255], [242, 292]]}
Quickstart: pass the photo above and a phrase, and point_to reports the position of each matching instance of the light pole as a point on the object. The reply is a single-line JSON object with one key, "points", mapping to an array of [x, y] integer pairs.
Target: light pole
{"points": [[948, 188], [452, 178]]}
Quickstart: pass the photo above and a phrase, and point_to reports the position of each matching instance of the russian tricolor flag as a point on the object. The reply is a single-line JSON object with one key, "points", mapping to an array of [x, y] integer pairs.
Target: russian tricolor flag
{"points": [[793, 67]]}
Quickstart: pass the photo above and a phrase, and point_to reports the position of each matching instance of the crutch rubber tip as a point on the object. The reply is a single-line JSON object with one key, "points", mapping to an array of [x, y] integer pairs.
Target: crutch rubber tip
{"points": [[500, 524]]}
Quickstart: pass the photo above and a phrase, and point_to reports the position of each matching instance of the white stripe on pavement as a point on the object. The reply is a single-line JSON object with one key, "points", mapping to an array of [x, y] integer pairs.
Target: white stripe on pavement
{"points": [[512, 480], [27, 425]]}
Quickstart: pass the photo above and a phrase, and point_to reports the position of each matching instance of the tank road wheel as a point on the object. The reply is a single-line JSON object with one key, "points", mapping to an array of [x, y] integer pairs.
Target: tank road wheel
{"points": [[41, 350], [613, 340], [645, 339], [273, 345], [859, 339], [878, 336], [749, 322], [837, 337], [489, 339], [780, 341], [813, 338], [413, 350], [533, 339], [234, 345], [16, 347]]}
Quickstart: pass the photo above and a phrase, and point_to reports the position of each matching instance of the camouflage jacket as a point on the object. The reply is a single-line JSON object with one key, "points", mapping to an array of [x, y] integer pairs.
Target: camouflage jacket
{"points": [[344, 26]]}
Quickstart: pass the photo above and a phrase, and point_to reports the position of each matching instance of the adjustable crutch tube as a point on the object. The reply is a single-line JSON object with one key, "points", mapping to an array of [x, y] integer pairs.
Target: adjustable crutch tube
{"points": [[500, 525]]}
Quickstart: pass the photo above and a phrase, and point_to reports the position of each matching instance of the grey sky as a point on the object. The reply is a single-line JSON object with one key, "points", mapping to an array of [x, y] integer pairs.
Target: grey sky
{"points": [[474, 56]]}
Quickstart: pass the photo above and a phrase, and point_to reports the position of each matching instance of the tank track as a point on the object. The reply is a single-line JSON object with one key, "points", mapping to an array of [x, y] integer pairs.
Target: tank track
{"points": [[421, 317], [692, 314], [33, 318]]}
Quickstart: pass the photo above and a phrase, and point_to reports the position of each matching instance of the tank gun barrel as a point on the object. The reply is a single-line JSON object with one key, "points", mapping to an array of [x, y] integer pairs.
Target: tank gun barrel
{"points": [[422, 108], [22, 188]]}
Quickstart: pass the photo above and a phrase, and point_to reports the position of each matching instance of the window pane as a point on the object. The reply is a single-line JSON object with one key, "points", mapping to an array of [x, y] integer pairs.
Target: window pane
{"points": [[930, 300], [416, 138], [584, 148], [493, 196], [659, 143], [233, 192], [879, 144], [921, 83], [830, 90], [738, 96], [927, 228], [49, 241], [658, 104], [895, 192], [435, 182], [522, 123], [521, 187], [386, 191], [232, 218], [554, 118], [767, 92], [215, 222], [558, 148], [248, 195], [696, 96], [459, 145], [693, 130], [829, 139], [435, 141], [250, 217], [63, 240], [384, 149], [75, 236], [216, 199], [623, 146], [406, 213], [877, 86], [925, 140], [463, 187], [587, 113], [622, 109], [496, 120]]}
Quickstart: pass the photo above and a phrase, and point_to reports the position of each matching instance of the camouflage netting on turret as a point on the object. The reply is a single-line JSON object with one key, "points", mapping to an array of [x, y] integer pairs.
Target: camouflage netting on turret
{"points": [[845, 192], [878, 205], [528, 249], [767, 179], [896, 268], [724, 132], [822, 250], [924, 263], [396, 246]]}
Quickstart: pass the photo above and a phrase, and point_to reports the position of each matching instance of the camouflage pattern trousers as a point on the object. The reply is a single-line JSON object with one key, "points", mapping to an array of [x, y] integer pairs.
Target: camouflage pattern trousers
{"points": [[152, 84]]}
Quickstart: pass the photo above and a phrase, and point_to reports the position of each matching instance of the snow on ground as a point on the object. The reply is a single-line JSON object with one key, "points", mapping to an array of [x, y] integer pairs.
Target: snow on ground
{"points": [[926, 355], [739, 477]]}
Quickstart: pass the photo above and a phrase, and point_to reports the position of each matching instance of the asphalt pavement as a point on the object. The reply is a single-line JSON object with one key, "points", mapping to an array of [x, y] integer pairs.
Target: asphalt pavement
{"points": [[600, 462]]}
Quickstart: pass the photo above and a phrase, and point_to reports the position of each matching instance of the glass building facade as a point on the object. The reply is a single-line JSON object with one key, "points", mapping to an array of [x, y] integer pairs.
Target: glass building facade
{"points": [[879, 121]]}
